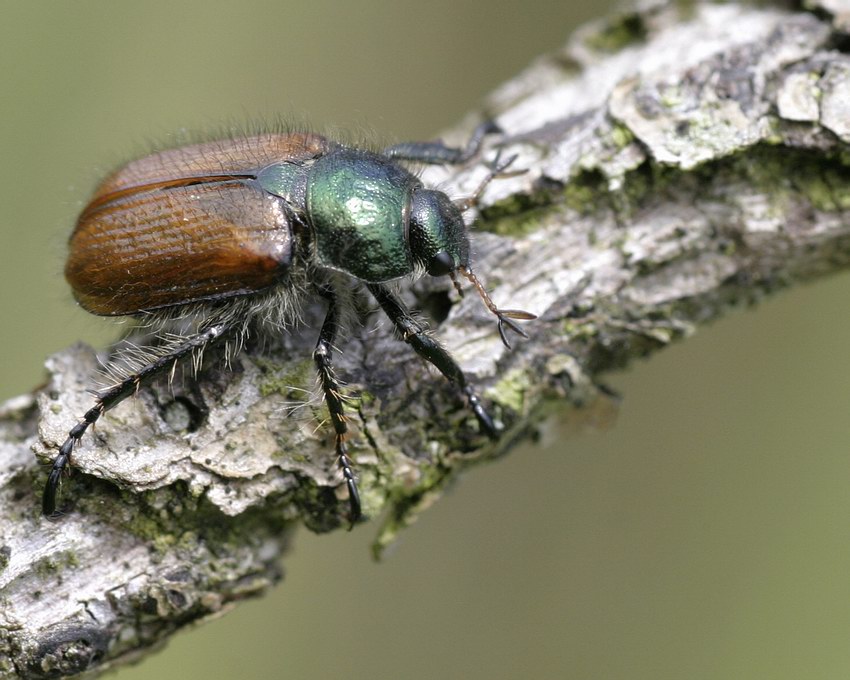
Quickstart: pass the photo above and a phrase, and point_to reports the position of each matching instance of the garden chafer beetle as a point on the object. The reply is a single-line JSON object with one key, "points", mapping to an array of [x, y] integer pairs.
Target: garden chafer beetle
{"points": [[223, 235]]}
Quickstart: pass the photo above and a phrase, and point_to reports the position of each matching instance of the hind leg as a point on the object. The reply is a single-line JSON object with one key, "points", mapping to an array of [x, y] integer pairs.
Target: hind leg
{"points": [[113, 396]]}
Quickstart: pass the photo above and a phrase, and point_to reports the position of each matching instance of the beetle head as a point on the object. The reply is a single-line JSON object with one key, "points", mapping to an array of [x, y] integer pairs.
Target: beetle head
{"points": [[438, 239], [438, 242]]}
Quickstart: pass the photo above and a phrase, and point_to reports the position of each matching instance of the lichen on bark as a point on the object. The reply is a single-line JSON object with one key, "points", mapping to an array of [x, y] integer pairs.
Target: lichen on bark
{"points": [[680, 160]]}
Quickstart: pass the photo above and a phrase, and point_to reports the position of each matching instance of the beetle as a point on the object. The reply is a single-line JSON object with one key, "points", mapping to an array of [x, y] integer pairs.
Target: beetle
{"points": [[218, 236]]}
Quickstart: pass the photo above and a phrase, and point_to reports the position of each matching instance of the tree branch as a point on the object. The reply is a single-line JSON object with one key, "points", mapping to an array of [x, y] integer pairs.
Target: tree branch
{"points": [[679, 163]]}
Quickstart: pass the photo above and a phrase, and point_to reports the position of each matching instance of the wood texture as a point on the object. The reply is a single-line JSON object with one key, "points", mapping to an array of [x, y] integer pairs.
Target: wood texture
{"points": [[682, 160]]}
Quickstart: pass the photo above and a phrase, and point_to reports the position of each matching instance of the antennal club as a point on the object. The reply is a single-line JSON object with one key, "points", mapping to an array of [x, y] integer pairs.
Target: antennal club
{"points": [[505, 316]]}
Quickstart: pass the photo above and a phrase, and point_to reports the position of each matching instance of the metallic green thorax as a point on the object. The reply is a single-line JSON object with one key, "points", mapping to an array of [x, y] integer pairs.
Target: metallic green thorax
{"points": [[369, 217], [358, 206]]}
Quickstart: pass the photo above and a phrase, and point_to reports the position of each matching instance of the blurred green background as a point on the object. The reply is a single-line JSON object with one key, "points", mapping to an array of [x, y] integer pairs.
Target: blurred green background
{"points": [[705, 535]]}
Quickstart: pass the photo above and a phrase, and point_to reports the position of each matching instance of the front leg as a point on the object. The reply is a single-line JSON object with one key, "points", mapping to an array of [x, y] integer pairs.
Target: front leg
{"points": [[437, 153], [416, 335], [108, 398]]}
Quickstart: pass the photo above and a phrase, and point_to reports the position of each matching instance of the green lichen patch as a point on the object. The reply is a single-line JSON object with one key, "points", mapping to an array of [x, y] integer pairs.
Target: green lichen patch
{"points": [[5, 555], [586, 190], [516, 225], [828, 190], [318, 506], [494, 216], [762, 169], [150, 529], [288, 380], [822, 179], [618, 32], [511, 390], [48, 567], [407, 502], [621, 135]]}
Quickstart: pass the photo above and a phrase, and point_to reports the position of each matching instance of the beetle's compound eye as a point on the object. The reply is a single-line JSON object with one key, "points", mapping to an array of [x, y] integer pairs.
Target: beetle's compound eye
{"points": [[437, 234], [441, 264]]}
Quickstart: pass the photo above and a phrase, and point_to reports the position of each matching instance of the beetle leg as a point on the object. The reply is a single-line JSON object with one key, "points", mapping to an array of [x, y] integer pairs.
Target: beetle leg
{"points": [[437, 153], [323, 358], [498, 168], [114, 395], [416, 335]]}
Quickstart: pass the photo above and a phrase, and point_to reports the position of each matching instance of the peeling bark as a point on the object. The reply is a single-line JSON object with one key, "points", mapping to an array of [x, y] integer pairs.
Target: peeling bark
{"points": [[681, 161]]}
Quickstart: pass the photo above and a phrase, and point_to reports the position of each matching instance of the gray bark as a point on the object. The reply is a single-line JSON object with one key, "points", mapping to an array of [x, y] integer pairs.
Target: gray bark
{"points": [[680, 161]]}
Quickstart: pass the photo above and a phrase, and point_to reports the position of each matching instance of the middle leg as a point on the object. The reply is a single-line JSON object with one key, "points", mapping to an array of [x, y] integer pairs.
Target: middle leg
{"points": [[323, 358]]}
